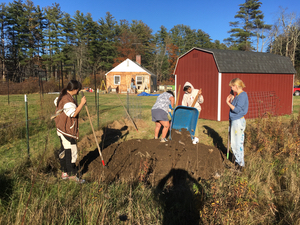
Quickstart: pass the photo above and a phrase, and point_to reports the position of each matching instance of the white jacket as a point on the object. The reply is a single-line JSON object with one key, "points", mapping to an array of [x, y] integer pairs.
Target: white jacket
{"points": [[188, 98]]}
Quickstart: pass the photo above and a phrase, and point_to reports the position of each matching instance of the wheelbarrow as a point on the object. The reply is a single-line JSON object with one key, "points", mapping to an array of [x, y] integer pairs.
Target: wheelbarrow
{"points": [[184, 117]]}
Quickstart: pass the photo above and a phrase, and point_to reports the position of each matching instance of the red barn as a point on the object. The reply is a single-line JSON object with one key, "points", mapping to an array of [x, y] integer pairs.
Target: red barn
{"points": [[268, 78]]}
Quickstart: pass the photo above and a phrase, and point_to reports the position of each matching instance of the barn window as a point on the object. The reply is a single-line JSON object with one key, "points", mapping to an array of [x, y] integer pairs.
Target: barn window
{"points": [[117, 79]]}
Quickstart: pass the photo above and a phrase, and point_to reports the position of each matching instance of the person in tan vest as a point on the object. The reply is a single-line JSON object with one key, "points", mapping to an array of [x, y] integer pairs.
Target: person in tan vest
{"points": [[67, 129]]}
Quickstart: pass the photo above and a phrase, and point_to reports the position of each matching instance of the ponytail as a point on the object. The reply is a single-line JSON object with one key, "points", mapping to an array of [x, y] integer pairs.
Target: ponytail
{"points": [[72, 85]]}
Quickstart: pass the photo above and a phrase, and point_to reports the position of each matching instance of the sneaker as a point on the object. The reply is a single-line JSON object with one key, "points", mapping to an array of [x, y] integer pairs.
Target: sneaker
{"points": [[163, 140], [238, 167], [78, 180], [64, 176], [195, 140]]}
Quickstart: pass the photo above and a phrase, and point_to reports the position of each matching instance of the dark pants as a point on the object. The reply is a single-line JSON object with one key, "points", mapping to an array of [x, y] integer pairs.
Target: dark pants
{"points": [[68, 155]]}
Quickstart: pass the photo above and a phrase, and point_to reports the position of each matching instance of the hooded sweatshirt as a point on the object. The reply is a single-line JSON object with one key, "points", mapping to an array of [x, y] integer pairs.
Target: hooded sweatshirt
{"points": [[188, 98]]}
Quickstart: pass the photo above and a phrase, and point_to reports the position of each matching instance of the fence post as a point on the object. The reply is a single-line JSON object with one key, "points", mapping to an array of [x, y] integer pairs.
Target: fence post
{"points": [[8, 90], [128, 106], [26, 120], [97, 108]]}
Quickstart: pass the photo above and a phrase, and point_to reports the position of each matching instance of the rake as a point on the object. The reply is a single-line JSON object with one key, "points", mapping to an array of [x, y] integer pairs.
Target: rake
{"points": [[82, 94]]}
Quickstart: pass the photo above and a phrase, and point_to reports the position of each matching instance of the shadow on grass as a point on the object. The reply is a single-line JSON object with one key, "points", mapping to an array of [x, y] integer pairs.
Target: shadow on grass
{"points": [[218, 142], [109, 137], [182, 199], [6, 189]]}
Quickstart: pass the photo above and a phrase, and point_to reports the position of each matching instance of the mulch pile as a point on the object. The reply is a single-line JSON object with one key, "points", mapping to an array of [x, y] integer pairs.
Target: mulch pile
{"points": [[150, 160]]}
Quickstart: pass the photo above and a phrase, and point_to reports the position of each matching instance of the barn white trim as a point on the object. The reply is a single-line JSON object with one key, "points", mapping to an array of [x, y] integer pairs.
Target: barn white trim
{"points": [[219, 95]]}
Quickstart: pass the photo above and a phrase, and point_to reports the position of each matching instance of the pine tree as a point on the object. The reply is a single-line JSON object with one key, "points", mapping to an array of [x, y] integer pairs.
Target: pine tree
{"points": [[41, 24], [160, 63], [109, 31], [81, 44], [143, 41], [34, 23], [185, 38], [17, 31], [68, 35], [53, 36], [3, 27], [250, 23]]}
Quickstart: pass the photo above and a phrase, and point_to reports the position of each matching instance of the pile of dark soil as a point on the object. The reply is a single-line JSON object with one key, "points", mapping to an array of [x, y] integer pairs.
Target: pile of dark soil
{"points": [[150, 160]]}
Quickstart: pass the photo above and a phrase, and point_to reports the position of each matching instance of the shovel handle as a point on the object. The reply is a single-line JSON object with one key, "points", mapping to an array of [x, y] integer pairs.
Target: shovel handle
{"points": [[99, 150], [228, 141], [195, 100]]}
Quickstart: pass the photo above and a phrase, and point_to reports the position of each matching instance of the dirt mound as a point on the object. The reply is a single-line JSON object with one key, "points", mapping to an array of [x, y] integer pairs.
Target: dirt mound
{"points": [[150, 160]]}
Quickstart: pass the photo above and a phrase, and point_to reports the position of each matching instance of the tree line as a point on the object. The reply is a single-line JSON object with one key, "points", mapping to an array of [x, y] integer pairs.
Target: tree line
{"points": [[48, 40]]}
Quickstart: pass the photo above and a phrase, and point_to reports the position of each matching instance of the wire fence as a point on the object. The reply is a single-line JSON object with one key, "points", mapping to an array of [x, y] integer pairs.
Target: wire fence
{"points": [[262, 103], [28, 122], [133, 105]]}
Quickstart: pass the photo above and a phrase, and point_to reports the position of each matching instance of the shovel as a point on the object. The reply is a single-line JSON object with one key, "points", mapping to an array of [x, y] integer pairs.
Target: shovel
{"points": [[228, 142]]}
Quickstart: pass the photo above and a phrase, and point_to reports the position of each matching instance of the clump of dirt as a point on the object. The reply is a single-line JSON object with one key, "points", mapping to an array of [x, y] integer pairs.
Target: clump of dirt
{"points": [[150, 160]]}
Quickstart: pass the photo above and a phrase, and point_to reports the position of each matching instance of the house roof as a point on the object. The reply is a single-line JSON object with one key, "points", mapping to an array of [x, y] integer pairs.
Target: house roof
{"points": [[230, 61], [130, 66], [148, 71]]}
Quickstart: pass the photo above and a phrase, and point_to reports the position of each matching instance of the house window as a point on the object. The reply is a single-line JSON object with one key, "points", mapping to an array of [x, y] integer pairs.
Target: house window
{"points": [[117, 79], [139, 80]]}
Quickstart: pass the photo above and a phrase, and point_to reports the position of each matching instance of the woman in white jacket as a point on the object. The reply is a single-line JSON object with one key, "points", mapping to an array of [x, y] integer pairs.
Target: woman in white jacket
{"points": [[188, 99]]}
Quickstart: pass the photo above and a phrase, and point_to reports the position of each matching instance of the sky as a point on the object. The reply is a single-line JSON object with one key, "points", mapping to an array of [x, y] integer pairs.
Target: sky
{"points": [[211, 16]]}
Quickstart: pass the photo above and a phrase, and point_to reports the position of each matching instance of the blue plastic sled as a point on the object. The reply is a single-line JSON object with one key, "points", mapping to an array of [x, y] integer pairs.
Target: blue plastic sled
{"points": [[185, 118]]}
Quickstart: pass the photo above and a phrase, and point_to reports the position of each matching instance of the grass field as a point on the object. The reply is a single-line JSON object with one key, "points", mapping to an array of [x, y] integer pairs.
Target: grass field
{"points": [[267, 192]]}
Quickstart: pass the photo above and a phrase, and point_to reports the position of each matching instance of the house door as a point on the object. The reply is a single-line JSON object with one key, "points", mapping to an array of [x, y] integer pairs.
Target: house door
{"points": [[139, 82], [142, 82]]}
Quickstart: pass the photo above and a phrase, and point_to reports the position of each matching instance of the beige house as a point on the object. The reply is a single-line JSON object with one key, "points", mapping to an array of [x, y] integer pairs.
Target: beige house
{"points": [[119, 79]]}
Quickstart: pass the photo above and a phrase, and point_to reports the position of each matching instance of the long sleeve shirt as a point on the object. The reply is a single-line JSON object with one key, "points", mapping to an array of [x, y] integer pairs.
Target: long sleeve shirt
{"points": [[240, 103]]}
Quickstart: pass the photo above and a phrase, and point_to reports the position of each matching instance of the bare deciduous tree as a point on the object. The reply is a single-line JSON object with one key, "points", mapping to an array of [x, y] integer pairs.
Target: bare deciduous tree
{"points": [[285, 35]]}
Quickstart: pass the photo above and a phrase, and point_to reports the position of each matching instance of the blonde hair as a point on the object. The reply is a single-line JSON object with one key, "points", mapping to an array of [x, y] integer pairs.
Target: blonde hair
{"points": [[238, 82]]}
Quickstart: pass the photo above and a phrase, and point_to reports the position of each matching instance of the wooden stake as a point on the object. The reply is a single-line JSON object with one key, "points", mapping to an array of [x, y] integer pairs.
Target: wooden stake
{"points": [[127, 113], [177, 97]]}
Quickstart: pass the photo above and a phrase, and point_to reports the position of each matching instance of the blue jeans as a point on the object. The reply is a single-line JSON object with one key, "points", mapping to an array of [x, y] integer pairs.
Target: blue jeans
{"points": [[237, 138]]}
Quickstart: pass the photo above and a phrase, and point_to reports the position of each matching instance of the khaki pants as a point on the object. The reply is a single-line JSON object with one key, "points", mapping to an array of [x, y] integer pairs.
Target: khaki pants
{"points": [[196, 131]]}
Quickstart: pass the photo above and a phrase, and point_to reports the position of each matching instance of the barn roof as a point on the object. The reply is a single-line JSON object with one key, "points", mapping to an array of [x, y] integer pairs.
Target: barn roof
{"points": [[230, 61]]}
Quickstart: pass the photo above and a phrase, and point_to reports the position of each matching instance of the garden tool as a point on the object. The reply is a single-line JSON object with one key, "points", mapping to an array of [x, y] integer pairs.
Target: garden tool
{"points": [[195, 100], [82, 94]]}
